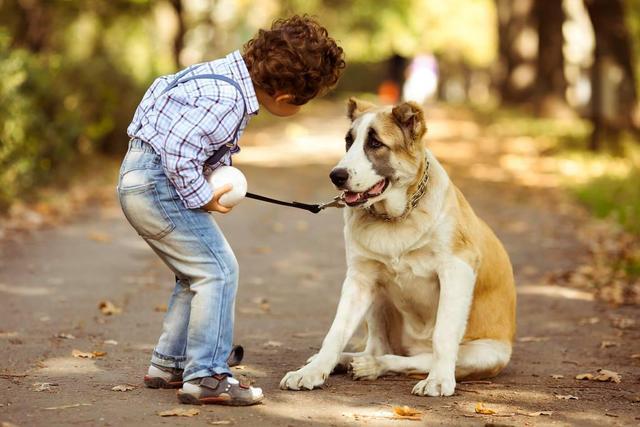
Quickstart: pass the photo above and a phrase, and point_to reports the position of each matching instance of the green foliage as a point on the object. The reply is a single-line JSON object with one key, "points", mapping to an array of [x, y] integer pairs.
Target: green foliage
{"points": [[53, 112], [616, 197]]}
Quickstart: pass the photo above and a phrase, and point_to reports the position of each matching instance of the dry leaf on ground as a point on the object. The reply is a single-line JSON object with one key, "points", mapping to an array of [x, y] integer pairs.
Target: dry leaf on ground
{"points": [[407, 413], [85, 355], [110, 342], [123, 387], [607, 375], [607, 344], [43, 386], [566, 397], [603, 375], [533, 339], [108, 308], [481, 409], [534, 414], [65, 336], [220, 423], [75, 405], [584, 376], [179, 412], [161, 308], [622, 322]]}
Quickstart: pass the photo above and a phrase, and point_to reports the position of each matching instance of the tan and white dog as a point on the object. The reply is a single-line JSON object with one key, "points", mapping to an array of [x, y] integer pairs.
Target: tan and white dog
{"points": [[432, 281]]}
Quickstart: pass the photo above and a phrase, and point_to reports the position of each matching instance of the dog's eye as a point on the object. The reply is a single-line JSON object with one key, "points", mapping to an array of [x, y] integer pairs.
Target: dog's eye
{"points": [[348, 141], [374, 143]]}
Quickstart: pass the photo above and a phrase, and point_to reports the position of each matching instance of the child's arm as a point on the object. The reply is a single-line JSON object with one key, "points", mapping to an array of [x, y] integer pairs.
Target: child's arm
{"points": [[196, 131], [213, 205]]}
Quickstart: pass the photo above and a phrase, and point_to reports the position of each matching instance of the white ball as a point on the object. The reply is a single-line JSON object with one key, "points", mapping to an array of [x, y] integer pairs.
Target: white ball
{"points": [[229, 175]]}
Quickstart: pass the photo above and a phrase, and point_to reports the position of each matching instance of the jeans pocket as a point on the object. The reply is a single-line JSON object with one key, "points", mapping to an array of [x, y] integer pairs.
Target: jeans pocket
{"points": [[142, 207]]}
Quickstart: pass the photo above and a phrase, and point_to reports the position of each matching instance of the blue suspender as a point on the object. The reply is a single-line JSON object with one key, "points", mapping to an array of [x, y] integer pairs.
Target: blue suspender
{"points": [[215, 158]]}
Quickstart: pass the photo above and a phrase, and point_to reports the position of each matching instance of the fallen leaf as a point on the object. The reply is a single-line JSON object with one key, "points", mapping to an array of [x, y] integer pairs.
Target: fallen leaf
{"points": [[623, 322], [162, 308], [110, 342], [557, 376], [220, 422], [99, 236], [65, 336], [589, 321], [108, 308], [533, 339], [123, 387], [481, 409], [179, 412], [263, 304], [607, 344], [566, 397], [535, 414], [584, 376], [75, 405], [407, 413], [307, 334], [42, 386], [84, 355], [607, 375]]}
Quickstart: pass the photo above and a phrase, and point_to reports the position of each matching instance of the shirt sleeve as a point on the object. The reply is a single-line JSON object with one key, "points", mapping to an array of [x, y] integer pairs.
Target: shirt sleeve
{"points": [[197, 131]]}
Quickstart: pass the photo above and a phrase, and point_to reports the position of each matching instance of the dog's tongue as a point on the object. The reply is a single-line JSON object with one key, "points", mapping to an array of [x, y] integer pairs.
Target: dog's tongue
{"points": [[351, 197]]}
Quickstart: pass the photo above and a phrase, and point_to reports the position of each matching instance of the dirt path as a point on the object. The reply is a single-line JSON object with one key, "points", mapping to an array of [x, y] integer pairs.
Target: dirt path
{"points": [[292, 264]]}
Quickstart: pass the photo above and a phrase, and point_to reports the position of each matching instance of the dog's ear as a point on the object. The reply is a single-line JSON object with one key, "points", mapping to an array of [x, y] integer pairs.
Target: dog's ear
{"points": [[357, 107], [410, 117]]}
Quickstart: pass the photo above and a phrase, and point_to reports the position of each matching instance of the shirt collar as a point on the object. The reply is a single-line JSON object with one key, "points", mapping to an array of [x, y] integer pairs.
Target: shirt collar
{"points": [[241, 75]]}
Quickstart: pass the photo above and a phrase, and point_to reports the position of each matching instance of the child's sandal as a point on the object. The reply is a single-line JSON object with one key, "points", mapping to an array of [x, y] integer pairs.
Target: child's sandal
{"points": [[219, 390]]}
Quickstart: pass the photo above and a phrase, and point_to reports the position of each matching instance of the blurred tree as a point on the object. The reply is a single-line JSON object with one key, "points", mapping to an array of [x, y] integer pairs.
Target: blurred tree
{"points": [[551, 83], [178, 40], [517, 48], [614, 95]]}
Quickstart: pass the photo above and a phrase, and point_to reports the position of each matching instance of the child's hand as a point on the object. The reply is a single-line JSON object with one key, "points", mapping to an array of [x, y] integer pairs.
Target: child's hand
{"points": [[214, 204]]}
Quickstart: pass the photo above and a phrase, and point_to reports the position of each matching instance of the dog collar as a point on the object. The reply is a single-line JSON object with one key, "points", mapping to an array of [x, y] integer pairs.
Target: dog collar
{"points": [[411, 203]]}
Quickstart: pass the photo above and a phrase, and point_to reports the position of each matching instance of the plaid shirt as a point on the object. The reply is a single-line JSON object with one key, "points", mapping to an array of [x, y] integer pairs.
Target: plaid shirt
{"points": [[191, 121]]}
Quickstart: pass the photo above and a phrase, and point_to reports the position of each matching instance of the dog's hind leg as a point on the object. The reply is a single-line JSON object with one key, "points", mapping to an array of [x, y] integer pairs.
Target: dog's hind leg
{"points": [[483, 358], [478, 359]]}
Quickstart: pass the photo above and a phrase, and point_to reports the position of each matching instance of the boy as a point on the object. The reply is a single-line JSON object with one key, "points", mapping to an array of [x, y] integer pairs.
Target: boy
{"points": [[179, 126]]}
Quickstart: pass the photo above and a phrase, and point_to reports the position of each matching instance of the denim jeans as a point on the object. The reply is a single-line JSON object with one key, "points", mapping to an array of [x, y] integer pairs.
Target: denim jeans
{"points": [[197, 331]]}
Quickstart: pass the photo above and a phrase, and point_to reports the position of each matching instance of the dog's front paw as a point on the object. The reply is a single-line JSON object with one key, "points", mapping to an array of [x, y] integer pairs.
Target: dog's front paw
{"points": [[308, 377], [365, 368], [436, 384]]}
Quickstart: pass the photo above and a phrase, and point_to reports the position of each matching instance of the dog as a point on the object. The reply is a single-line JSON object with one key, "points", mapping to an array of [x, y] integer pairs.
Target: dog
{"points": [[432, 281]]}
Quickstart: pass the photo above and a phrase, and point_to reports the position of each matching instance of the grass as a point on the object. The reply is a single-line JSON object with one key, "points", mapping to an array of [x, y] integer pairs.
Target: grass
{"points": [[607, 182]]}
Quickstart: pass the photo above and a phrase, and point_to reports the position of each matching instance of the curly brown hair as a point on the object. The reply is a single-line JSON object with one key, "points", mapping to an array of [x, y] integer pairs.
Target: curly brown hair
{"points": [[295, 56]]}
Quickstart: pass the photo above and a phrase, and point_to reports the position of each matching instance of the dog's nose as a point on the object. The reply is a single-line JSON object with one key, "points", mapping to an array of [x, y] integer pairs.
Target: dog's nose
{"points": [[339, 177]]}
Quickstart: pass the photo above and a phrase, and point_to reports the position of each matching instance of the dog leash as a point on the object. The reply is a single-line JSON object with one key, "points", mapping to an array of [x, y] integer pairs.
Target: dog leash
{"points": [[336, 202]]}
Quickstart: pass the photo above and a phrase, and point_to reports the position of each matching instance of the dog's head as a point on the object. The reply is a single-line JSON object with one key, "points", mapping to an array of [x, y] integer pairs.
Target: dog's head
{"points": [[384, 154]]}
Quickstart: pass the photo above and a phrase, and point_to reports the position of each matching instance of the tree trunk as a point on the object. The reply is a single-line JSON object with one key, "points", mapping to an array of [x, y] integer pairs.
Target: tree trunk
{"points": [[614, 99], [516, 62], [551, 84], [33, 33], [178, 40]]}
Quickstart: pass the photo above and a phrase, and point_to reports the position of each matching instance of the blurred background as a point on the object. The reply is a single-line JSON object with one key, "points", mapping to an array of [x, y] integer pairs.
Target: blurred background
{"points": [[564, 73]]}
